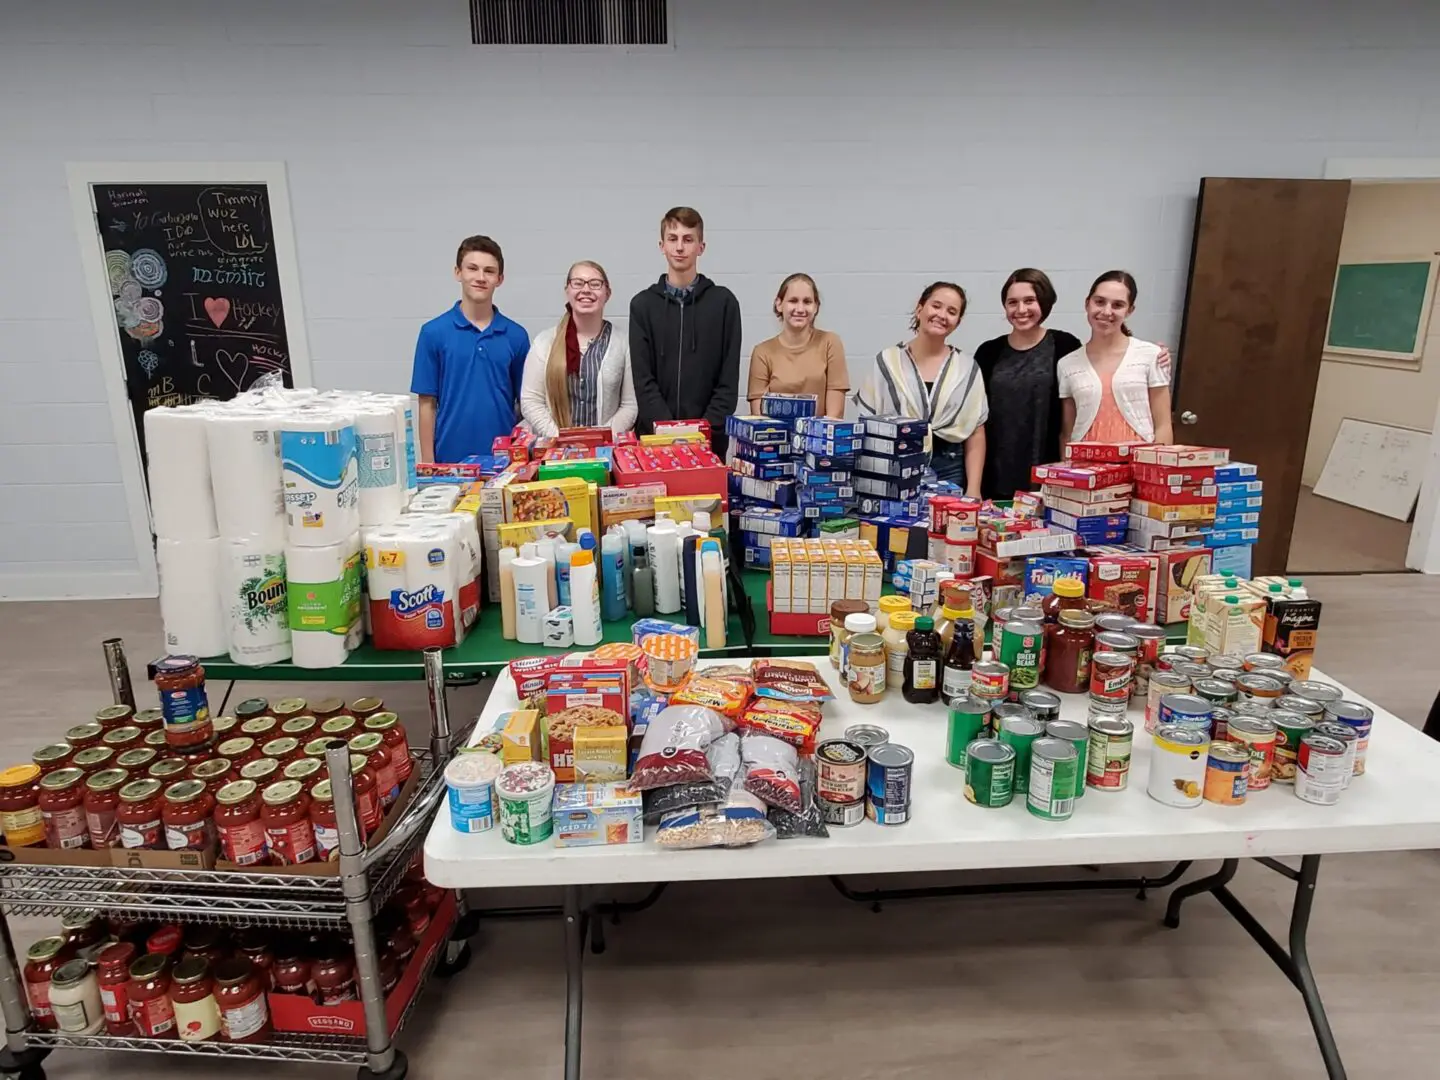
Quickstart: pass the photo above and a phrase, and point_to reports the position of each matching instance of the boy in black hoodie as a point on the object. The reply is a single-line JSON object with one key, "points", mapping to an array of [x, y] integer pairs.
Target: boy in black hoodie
{"points": [[685, 337]]}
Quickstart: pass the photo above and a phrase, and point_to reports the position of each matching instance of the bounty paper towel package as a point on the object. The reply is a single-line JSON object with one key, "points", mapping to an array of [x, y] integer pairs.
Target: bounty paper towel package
{"points": [[253, 596]]}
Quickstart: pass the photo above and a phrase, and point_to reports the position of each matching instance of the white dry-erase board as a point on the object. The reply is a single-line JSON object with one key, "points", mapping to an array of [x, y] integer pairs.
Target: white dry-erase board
{"points": [[1376, 467]]}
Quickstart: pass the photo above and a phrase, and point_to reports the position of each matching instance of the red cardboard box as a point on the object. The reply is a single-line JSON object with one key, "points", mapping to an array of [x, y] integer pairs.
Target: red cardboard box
{"points": [[1088, 477], [1098, 453], [706, 477], [1180, 455], [1176, 494], [1179, 567], [1177, 474], [1007, 571], [798, 624], [1125, 581]]}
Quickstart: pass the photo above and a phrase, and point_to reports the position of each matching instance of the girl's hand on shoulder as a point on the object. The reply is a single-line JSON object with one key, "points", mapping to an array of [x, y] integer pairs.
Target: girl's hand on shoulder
{"points": [[1163, 360]]}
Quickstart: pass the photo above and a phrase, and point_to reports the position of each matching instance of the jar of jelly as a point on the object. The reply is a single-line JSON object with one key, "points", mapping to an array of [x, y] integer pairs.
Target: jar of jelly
{"points": [[396, 741], [138, 815], [237, 821], [20, 817], [102, 805], [62, 809], [188, 817]]}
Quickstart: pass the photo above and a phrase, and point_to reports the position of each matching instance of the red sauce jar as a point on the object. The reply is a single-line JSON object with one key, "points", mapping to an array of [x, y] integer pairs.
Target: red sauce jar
{"points": [[186, 709], [166, 941], [255, 947], [52, 757], [371, 744], [20, 817], [156, 740], [150, 1005], [390, 971], [121, 739], [237, 821], [339, 727], [334, 979], [41, 961], [148, 720], [197, 754], [284, 750], [412, 900], [188, 815], [206, 943], [168, 770], [113, 716], [285, 708], [62, 809], [367, 794], [240, 992], [396, 937], [192, 995], [214, 773], [113, 974], [308, 770], [262, 729], [138, 815], [366, 707], [93, 759], [250, 708], [1070, 645], [102, 804], [264, 771], [322, 817], [316, 748], [286, 815], [225, 727], [85, 933], [240, 751], [291, 973], [84, 736], [302, 728], [137, 762], [326, 708], [396, 741]]}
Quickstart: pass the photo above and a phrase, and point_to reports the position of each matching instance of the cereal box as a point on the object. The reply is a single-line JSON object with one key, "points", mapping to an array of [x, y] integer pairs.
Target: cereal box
{"points": [[522, 736], [591, 815], [600, 754], [564, 498]]}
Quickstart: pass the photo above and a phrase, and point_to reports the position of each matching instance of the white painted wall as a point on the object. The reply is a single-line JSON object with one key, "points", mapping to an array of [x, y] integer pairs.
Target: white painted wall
{"points": [[1381, 221], [877, 146]]}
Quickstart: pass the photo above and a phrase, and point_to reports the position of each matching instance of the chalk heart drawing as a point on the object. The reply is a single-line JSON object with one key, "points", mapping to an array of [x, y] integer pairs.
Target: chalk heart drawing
{"points": [[232, 365], [218, 308]]}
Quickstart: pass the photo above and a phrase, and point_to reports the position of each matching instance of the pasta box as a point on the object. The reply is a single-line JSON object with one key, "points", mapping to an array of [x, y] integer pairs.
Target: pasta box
{"points": [[594, 815], [789, 406], [1125, 581], [758, 430], [1042, 570], [890, 426]]}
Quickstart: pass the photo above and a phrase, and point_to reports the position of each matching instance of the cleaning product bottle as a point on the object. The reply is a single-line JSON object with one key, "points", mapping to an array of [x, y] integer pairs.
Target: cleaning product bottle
{"points": [[564, 549], [507, 594], [585, 599], [713, 577], [612, 574], [644, 583]]}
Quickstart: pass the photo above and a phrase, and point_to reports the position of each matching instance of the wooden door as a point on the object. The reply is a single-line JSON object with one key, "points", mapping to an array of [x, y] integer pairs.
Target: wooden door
{"points": [[1261, 272]]}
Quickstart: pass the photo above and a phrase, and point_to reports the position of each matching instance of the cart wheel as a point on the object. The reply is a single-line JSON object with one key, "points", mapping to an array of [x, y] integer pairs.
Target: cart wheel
{"points": [[455, 960], [398, 1068]]}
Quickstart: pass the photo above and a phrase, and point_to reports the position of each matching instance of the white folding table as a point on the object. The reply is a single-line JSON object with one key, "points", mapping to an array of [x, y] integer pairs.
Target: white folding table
{"points": [[1394, 806]]}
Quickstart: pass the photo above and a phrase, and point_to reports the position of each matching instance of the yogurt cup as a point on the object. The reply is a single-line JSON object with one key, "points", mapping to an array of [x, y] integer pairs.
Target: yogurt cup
{"points": [[525, 791], [471, 780]]}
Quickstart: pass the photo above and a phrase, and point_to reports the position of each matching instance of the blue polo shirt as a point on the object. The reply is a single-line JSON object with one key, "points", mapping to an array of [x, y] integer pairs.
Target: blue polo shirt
{"points": [[475, 375]]}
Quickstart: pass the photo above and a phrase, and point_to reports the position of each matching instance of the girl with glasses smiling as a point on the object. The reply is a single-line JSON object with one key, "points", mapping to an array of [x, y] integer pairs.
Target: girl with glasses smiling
{"points": [[578, 373]]}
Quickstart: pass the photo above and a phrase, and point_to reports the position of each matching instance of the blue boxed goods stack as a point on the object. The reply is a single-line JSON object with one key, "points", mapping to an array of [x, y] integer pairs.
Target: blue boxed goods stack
{"points": [[763, 471], [891, 461], [1232, 538], [825, 451]]}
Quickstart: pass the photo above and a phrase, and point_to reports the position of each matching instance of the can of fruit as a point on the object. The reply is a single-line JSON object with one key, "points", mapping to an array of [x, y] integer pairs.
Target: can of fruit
{"points": [[1162, 683], [889, 768], [1227, 774], [1020, 647], [1347, 735], [968, 719], [1257, 735], [1019, 733], [1177, 766], [989, 773], [1108, 761], [1078, 736], [990, 680], [840, 771], [1290, 728], [1359, 717], [1320, 770], [1054, 767], [1001, 711], [1186, 709], [843, 814]]}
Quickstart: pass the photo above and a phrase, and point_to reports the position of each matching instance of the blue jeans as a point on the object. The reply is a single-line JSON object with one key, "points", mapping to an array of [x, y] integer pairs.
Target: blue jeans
{"points": [[948, 461]]}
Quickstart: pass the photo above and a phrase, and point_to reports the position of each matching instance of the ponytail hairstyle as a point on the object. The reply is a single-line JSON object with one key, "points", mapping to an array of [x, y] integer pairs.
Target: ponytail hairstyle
{"points": [[931, 290], [1122, 277], [784, 287], [564, 355]]}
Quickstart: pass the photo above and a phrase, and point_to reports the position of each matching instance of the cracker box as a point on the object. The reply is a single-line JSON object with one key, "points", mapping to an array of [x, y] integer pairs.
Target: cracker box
{"points": [[1125, 581], [1179, 567], [566, 498], [600, 754], [522, 737], [1179, 455], [593, 815], [1235, 472]]}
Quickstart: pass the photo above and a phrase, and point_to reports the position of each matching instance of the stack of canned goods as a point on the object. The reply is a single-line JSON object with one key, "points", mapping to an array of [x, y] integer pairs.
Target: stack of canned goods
{"points": [[864, 775]]}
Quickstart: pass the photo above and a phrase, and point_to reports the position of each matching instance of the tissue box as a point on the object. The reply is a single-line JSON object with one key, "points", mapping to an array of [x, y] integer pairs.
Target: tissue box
{"points": [[594, 815]]}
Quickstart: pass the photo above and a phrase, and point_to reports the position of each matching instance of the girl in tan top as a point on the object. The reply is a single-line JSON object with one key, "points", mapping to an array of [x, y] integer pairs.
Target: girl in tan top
{"points": [[802, 358]]}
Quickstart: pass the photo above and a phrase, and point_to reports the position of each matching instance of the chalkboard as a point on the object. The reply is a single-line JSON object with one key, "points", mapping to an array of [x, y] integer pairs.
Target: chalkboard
{"points": [[1377, 467], [192, 270], [1381, 309]]}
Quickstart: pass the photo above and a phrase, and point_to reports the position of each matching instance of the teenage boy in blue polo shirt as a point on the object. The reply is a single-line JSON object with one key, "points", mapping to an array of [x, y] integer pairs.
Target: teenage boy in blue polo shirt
{"points": [[468, 362]]}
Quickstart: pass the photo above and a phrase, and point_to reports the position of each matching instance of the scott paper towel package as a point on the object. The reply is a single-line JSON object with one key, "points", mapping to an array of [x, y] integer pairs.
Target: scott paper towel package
{"points": [[321, 477], [323, 601], [177, 451], [413, 581], [190, 608], [254, 598], [469, 568]]}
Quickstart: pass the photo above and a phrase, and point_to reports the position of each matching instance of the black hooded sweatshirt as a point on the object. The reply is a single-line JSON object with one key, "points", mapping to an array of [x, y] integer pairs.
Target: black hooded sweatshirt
{"points": [[685, 356]]}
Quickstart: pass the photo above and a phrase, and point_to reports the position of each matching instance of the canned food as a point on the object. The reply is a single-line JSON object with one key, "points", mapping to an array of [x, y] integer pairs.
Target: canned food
{"points": [[1021, 644], [1177, 766], [990, 679], [840, 771], [1257, 735], [1113, 622], [1227, 774], [968, 720], [1220, 720], [843, 814], [1290, 728], [1111, 674], [1019, 733], [1216, 691], [1116, 641], [867, 735], [1263, 661], [1078, 736], [1003, 710], [1162, 684], [1186, 709], [1283, 676], [1303, 705], [1315, 690], [1226, 662], [1054, 771], [989, 773], [1226, 675], [1152, 640], [1359, 717], [1259, 686], [1320, 774], [1107, 765], [1044, 705], [1261, 707], [1027, 613], [1191, 671], [1347, 735], [888, 774]]}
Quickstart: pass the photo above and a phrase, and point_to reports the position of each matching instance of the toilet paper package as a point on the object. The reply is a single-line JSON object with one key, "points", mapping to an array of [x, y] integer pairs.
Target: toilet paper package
{"points": [[253, 597], [413, 586], [190, 608], [321, 477], [244, 449], [181, 501], [323, 602], [381, 463]]}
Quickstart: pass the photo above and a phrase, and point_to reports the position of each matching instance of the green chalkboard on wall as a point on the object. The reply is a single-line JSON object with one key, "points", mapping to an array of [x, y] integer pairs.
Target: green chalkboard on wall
{"points": [[1381, 309]]}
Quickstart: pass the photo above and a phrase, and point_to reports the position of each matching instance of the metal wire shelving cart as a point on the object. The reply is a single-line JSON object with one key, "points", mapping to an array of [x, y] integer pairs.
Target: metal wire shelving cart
{"points": [[366, 880]]}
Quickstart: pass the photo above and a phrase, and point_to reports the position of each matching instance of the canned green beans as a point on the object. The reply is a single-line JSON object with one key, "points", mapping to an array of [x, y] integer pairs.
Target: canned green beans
{"points": [[968, 719], [1078, 736], [989, 773], [1054, 766], [1019, 732], [1020, 646]]}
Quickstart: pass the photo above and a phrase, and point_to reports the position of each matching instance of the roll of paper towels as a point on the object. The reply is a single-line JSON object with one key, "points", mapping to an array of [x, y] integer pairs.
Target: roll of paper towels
{"points": [[253, 597], [381, 464], [321, 477], [323, 600], [413, 581], [470, 568], [244, 448], [436, 499], [190, 607], [176, 448]]}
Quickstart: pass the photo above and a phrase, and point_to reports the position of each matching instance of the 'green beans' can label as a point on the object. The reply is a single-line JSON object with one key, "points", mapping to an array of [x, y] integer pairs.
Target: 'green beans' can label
{"points": [[1053, 770], [989, 773], [967, 722], [1020, 647]]}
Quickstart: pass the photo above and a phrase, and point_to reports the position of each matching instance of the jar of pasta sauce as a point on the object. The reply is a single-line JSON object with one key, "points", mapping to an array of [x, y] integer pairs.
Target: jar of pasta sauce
{"points": [[213, 773], [85, 933], [262, 729], [166, 942], [254, 946], [121, 739], [62, 808], [148, 720], [181, 683], [139, 816], [371, 745], [364, 708], [192, 995], [284, 750], [327, 708], [168, 770], [205, 942], [291, 973], [334, 978], [396, 741], [113, 972], [225, 727], [308, 770], [155, 740], [93, 759], [367, 793], [102, 804], [286, 815], [411, 898], [188, 815], [84, 736], [322, 818], [240, 991], [237, 821], [239, 751], [250, 708], [41, 962], [285, 708], [20, 817], [51, 757], [113, 716], [137, 762], [150, 1005], [301, 728], [316, 747]]}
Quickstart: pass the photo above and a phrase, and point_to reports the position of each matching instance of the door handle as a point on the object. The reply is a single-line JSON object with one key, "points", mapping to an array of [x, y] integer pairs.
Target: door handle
{"points": [[1188, 417]]}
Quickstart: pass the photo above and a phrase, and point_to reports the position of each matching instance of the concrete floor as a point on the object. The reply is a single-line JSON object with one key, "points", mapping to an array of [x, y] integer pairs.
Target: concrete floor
{"points": [[784, 980], [1335, 538]]}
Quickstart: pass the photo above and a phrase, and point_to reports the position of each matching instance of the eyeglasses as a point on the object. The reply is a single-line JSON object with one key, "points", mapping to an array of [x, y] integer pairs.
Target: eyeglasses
{"points": [[587, 283]]}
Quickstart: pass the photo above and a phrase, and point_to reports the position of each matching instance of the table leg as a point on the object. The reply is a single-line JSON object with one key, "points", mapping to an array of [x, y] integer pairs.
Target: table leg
{"points": [[574, 981], [1217, 880]]}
